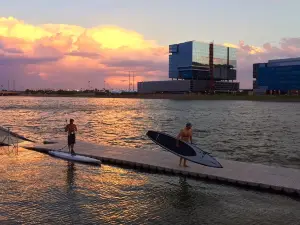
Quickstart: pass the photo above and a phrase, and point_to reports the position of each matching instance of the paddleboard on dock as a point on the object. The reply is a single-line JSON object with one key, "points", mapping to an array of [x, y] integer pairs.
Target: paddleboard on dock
{"points": [[184, 150], [76, 158]]}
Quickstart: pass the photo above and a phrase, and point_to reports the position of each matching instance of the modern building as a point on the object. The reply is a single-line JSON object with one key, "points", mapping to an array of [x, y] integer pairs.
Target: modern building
{"points": [[197, 67], [277, 75]]}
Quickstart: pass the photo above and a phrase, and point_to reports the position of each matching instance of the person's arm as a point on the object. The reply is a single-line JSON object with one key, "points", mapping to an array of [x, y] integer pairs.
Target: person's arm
{"points": [[191, 139], [66, 128], [178, 137]]}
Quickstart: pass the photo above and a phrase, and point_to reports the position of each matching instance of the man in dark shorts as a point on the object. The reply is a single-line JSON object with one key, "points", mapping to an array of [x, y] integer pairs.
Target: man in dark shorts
{"points": [[71, 129], [186, 135]]}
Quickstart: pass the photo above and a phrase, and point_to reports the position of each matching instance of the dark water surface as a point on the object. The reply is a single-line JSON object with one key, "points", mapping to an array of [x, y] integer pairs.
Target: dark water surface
{"points": [[38, 189]]}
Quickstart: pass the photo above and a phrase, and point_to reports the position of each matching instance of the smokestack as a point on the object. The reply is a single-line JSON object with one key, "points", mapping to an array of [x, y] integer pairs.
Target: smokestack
{"points": [[227, 56], [211, 65]]}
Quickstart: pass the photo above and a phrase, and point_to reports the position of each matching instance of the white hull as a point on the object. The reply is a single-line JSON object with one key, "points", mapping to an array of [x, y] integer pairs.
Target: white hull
{"points": [[77, 158]]}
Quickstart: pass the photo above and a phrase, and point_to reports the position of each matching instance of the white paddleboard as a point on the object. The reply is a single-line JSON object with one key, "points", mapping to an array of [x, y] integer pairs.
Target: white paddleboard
{"points": [[77, 158]]}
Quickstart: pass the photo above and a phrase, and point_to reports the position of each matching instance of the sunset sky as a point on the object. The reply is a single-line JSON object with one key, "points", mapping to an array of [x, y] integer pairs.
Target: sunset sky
{"points": [[65, 44]]}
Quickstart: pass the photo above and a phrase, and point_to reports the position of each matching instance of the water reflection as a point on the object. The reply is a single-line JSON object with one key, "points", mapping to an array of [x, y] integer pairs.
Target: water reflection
{"points": [[38, 189], [70, 175], [184, 195]]}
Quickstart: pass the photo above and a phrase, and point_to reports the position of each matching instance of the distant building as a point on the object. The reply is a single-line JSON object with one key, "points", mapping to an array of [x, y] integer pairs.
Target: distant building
{"points": [[191, 60], [277, 75], [197, 67]]}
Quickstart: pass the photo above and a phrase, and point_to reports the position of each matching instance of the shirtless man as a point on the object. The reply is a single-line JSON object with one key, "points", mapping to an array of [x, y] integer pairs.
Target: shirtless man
{"points": [[71, 129], [185, 135]]}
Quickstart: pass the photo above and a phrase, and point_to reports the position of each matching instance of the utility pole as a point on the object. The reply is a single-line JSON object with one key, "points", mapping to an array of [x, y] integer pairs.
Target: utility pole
{"points": [[211, 66], [129, 82], [133, 81]]}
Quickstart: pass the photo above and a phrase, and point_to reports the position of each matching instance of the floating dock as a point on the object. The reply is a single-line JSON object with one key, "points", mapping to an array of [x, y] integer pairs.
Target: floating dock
{"points": [[261, 177]]}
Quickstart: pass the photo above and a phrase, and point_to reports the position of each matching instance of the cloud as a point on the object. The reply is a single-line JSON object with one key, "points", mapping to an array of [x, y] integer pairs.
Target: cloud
{"points": [[68, 56], [247, 55], [84, 54], [12, 61], [143, 64]]}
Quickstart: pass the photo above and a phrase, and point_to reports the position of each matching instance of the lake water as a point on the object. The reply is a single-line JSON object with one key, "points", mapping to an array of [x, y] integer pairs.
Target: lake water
{"points": [[37, 189]]}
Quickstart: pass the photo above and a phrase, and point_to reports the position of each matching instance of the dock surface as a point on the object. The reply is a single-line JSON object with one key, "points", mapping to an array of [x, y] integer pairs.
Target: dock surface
{"points": [[268, 178]]}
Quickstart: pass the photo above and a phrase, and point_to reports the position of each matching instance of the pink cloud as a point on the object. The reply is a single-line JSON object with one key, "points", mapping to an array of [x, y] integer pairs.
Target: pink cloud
{"points": [[68, 56], [247, 55]]}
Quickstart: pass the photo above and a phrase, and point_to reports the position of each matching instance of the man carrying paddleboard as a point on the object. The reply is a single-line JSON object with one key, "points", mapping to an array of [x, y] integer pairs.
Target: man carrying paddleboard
{"points": [[185, 135], [71, 129]]}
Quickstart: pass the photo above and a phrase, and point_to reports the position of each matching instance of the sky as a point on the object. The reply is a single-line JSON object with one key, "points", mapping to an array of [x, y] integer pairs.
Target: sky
{"points": [[81, 44]]}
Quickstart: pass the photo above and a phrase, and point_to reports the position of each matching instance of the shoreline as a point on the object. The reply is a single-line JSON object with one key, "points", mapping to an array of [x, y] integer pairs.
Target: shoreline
{"points": [[268, 98]]}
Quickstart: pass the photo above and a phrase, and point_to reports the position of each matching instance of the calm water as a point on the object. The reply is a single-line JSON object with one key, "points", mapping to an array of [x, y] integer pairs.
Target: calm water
{"points": [[38, 189]]}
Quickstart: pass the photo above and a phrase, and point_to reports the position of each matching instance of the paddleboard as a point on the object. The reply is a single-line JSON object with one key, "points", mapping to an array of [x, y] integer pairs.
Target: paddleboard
{"points": [[77, 158], [185, 150]]}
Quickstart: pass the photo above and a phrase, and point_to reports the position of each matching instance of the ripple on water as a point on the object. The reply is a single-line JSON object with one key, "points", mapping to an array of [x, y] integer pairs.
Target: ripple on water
{"points": [[38, 189], [248, 131]]}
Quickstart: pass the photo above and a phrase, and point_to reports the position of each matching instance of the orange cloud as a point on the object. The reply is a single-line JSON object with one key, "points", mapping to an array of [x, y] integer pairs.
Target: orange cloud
{"points": [[251, 49], [74, 53]]}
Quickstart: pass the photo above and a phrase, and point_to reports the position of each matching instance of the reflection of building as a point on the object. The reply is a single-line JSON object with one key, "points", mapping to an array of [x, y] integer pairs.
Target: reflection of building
{"points": [[198, 67], [277, 75]]}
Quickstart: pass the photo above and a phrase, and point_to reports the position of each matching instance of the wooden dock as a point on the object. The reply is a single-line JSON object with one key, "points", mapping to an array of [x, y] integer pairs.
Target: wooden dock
{"points": [[261, 177]]}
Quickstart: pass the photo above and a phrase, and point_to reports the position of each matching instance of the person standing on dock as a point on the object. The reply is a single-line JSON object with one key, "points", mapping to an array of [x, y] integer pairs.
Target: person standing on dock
{"points": [[186, 135], [71, 129]]}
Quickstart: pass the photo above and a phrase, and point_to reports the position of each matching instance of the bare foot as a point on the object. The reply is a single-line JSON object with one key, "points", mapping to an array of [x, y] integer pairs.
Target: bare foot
{"points": [[186, 166]]}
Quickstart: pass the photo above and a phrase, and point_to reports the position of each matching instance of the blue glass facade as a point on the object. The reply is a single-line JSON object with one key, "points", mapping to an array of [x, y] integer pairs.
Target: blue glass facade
{"points": [[232, 57], [181, 57], [200, 54], [283, 78], [190, 60]]}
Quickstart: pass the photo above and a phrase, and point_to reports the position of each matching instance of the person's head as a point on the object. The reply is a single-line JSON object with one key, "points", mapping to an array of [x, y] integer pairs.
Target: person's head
{"points": [[188, 126], [71, 121]]}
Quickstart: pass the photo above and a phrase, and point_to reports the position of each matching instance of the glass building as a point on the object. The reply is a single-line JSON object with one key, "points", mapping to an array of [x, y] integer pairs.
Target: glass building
{"points": [[191, 60], [277, 75], [197, 67]]}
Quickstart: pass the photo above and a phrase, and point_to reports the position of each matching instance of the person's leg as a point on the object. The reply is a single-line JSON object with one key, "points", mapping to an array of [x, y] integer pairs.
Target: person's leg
{"points": [[72, 149], [69, 143], [73, 142], [184, 163]]}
